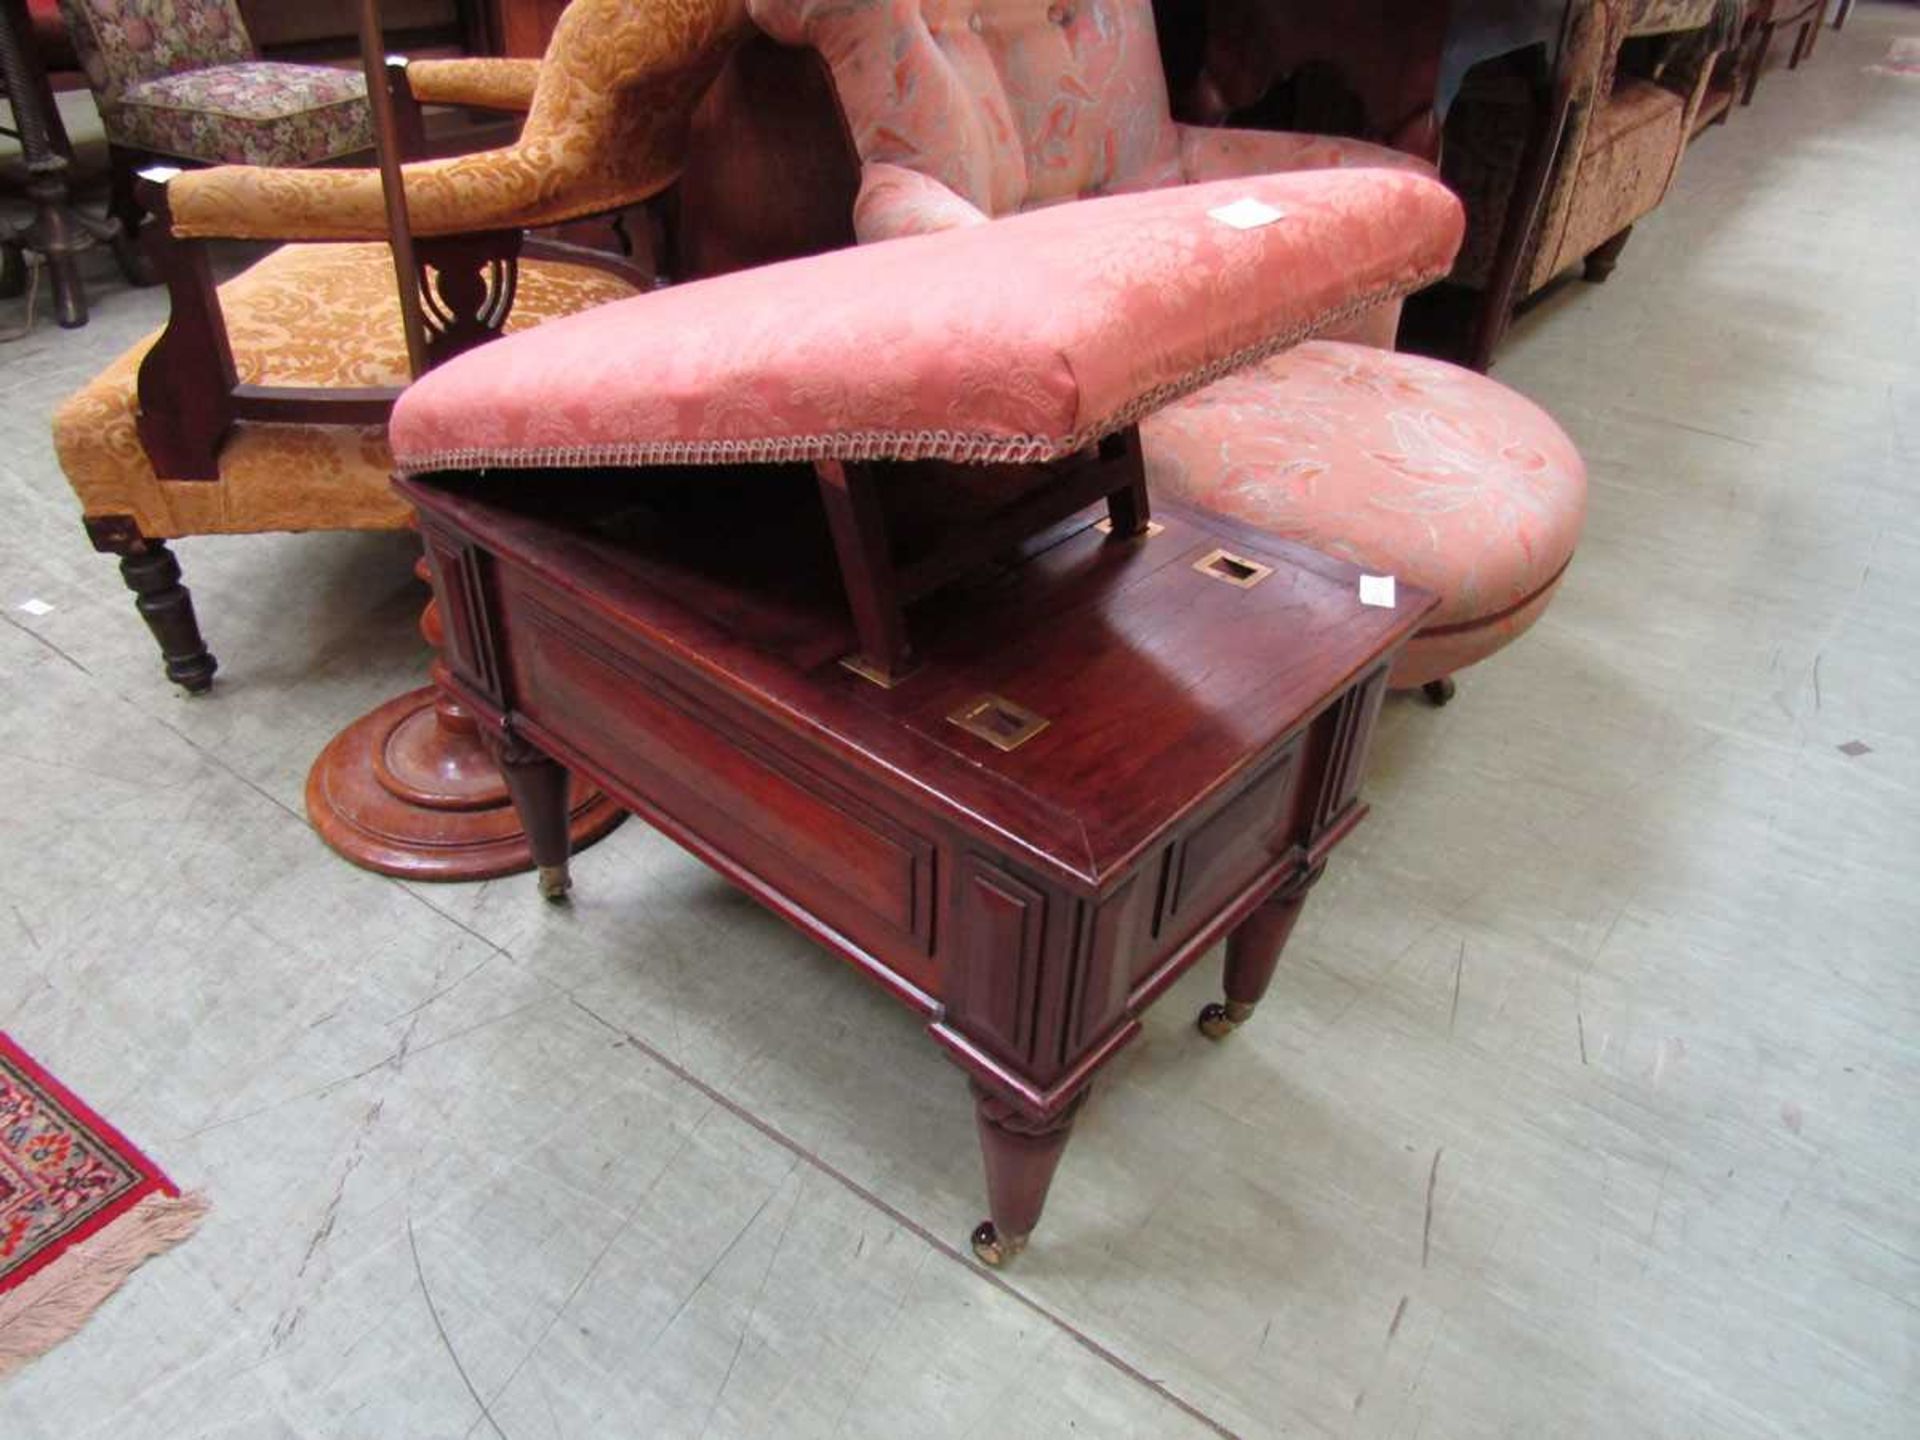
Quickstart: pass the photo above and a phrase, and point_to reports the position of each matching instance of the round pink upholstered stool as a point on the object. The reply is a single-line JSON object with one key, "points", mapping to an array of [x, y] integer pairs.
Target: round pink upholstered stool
{"points": [[1406, 466]]}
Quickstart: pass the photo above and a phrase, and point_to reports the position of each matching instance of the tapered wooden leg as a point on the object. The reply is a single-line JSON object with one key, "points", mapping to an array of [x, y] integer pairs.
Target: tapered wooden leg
{"points": [[1602, 259], [153, 574], [1802, 44], [1021, 1151], [412, 789], [123, 203], [1253, 954], [542, 796]]}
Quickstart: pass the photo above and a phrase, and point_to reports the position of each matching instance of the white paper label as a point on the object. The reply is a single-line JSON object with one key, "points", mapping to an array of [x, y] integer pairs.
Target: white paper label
{"points": [[1377, 590], [1247, 214], [36, 607]]}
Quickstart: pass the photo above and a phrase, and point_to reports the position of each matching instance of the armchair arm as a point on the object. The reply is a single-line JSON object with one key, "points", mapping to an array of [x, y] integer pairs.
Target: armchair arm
{"points": [[895, 202], [484, 84], [489, 190], [522, 186]]}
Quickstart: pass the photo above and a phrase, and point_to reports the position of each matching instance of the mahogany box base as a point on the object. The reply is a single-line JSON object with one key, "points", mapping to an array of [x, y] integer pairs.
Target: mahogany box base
{"points": [[1109, 755]]}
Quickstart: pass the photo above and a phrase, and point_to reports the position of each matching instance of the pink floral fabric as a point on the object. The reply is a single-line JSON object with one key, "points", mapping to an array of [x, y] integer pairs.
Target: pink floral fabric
{"points": [[1013, 104], [1022, 340], [1020, 103], [256, 113], [1403, 465]]}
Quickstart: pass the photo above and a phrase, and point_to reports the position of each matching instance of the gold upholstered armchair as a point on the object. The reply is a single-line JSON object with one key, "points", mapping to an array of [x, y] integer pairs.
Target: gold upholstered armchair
{"points": [[262, 404], [1629, 77]]}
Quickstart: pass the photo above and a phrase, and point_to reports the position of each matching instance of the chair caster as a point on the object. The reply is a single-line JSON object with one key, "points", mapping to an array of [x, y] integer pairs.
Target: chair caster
{"points": [[555, 882], [991, 1250], [1439, 691], [1217, 1021]]}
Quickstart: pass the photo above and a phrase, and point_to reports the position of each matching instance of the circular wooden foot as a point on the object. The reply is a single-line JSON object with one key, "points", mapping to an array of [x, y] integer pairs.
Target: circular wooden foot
{"points": [[402, 792], [1439, 691], [990, 1249], [1217, 1021]]}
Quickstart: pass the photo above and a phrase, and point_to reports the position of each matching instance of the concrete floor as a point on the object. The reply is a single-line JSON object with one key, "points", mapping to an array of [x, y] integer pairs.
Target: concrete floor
{"points": [[1583, 1105]]}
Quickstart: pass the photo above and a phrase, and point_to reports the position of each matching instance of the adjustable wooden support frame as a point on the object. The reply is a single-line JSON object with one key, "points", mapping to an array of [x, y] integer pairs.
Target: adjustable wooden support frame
{"points": [[880, 582]]}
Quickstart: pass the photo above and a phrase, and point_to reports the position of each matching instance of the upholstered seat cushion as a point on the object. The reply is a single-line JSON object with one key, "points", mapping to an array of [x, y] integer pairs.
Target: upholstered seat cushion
{"points": [[255, 112], [324, 315], [1023, 339], [1403, 465]]}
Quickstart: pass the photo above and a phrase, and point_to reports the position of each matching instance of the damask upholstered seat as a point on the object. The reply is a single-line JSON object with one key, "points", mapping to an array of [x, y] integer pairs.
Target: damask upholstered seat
{"points": [[1024, 341], [307, 315], [965, 112]]}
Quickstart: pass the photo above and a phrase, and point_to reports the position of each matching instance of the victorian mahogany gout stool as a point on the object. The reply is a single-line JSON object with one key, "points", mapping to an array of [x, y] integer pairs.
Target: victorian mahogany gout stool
{"points": [[1113, 751], [801, 565]]}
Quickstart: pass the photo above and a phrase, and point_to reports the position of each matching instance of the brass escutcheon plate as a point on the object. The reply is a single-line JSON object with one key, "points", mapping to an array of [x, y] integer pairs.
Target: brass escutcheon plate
{"points": [[1232, 569], [998, 721]]}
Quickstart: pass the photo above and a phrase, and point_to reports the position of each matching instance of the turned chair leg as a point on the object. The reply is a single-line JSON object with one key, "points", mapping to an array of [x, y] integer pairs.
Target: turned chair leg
{"points": [[1021, 1151], [542, 796], [1439, 692], [153, 574], [1800, 45], [1602, 259], [126, 215], [1253, 954]]}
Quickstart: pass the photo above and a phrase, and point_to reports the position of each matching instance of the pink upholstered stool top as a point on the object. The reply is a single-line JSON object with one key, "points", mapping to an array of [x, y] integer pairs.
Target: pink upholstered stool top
{"points": [[1021, 340]]}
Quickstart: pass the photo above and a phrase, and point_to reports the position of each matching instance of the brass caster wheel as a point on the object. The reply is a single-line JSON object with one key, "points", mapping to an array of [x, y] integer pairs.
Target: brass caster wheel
{"points": [[1218, 1021], [555, 882], [1439, 691], [990, 1249]]}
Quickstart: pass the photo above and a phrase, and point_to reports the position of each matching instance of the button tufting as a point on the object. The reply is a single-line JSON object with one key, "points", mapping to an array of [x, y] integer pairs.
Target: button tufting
{"points": [[975, 23], [1060, 14]]}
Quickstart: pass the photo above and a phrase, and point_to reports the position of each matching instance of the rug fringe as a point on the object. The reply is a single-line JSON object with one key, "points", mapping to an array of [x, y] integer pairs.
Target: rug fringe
{"points": [[46, 1308]]}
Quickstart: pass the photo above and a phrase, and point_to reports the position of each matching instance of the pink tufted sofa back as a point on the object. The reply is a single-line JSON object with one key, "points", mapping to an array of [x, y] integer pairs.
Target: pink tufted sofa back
{"points": [[1009, 103]]}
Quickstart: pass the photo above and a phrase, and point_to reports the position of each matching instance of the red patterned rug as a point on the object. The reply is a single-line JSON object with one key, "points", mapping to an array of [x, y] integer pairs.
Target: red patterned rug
{"points": [[80, 1209]]}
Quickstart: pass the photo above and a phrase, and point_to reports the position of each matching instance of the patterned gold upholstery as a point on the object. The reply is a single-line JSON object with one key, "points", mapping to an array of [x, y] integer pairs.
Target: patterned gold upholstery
{"points": [[606, 128], [324, 315], [1637, 72]]}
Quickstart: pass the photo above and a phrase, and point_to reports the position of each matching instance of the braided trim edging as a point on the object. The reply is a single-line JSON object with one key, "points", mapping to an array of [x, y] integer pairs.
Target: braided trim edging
{"points": [[963, 446]]}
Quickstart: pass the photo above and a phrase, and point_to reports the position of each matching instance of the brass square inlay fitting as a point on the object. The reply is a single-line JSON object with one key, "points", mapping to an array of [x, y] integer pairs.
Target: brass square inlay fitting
{"points": [[1232, 569], [998, 721]]}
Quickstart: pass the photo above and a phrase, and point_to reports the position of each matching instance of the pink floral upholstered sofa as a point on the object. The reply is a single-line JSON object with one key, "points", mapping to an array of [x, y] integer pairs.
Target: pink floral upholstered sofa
{"points": [[967, 110]]}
